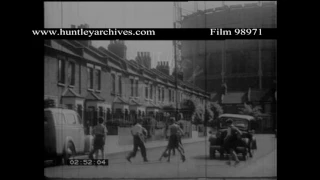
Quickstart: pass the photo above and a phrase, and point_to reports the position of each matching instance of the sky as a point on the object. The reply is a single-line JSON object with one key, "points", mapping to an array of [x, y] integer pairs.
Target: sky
{"points": [[125, 15]]}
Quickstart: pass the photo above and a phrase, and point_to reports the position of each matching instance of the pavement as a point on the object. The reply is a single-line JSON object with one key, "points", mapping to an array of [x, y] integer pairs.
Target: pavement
{"points": [[197, 166], [113, 144]]}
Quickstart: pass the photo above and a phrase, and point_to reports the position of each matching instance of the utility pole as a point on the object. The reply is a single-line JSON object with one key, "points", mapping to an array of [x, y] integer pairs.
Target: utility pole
{"points": [[176, 47], [176, 80], [195, 6], [196, 52], [205, 83], [222, 60], [205, 61], [223, 71], [260, 64]]}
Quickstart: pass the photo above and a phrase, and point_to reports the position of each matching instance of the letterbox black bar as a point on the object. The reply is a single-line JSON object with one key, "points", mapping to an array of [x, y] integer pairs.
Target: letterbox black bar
{"points": [[160, 34]]}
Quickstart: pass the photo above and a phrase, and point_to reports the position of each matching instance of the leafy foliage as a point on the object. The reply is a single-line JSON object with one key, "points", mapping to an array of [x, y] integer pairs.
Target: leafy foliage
{"points": [[213, 110], [190, 106], [197, 119], [216, 110], [252, 111]]}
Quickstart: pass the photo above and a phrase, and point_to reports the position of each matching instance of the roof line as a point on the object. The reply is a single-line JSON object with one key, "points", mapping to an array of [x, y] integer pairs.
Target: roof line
{"points": [[99, 52]]}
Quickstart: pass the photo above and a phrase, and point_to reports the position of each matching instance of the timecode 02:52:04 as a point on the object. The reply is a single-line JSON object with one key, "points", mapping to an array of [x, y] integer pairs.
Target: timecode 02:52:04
{"points": [[87, 162]]}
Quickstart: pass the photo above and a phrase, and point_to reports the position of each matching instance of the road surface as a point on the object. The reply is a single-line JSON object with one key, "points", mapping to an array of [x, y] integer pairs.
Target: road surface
{"points": [[197, 164]]}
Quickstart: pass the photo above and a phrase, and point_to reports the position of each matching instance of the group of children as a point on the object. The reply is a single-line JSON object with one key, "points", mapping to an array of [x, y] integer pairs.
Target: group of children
{"points": [[174, 141], [138, 132], [230, 141]]}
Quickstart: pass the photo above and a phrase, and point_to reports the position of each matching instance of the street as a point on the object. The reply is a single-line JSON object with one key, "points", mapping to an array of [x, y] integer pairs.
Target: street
{"points": [[197, 164]]}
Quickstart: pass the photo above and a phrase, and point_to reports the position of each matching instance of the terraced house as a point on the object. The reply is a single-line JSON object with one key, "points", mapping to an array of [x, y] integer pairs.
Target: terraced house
{"points": [[102, 82]]}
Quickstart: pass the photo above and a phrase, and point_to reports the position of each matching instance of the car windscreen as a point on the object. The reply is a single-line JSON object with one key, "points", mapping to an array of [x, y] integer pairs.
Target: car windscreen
{"points": [[238, 122]]}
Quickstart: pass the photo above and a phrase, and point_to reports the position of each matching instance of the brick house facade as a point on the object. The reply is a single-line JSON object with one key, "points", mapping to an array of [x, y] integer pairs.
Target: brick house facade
{"points": [[97, 82]]}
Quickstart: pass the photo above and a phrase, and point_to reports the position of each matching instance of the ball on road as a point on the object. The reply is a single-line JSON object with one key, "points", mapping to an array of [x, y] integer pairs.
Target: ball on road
{"points": [[166, 154]]}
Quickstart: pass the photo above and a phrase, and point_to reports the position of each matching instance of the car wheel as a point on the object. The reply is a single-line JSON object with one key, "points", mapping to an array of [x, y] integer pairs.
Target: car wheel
{"points": [[68, 153]]}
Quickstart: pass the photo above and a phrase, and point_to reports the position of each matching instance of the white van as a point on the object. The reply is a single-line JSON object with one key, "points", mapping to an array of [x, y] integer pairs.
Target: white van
{"points": [[64, 134]]}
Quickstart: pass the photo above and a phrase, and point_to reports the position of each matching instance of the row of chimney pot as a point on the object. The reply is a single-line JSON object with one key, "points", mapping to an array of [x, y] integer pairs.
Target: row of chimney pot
{"points": [[163, 63], [143, 54]]}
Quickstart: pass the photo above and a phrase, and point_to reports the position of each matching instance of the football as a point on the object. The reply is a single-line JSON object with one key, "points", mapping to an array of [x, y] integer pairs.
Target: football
{"points": [[166, 154]]}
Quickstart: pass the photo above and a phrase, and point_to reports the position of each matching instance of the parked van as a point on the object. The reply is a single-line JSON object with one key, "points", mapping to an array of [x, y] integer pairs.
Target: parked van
{"points": [[64, 135]]}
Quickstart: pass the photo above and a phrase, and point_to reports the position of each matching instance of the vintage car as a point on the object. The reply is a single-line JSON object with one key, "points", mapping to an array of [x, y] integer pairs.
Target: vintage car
{"points": [[246, 143], [64, 135]]}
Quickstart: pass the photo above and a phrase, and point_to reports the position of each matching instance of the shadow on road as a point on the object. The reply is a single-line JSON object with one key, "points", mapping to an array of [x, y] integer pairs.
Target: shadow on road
{"points": [[206, 157], [200, 157]]}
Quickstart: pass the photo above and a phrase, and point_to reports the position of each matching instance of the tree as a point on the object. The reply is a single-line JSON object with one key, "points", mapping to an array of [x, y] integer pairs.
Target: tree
{"points": [[189, 109], [252, 111], [190, 106], [179, 74], [197, 118], [200, 113], [216, 110], [209, 110]]}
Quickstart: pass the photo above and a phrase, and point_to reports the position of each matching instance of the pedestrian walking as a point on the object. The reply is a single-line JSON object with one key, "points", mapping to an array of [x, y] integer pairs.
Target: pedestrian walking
{"points": [[230, 141], [166, 130], [153, 123], [87, 128], [99, 132], [180, 135], [173, 143], [223, 91], [145, 124], [138, 132]]}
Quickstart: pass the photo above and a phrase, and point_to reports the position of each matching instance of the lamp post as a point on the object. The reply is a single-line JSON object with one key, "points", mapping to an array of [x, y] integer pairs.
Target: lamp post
{"points": [[205, 68], [205, 82]]}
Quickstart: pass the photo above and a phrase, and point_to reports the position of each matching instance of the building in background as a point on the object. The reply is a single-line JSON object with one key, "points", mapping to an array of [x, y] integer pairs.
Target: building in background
{"points": [[236, 62], [102, 82], [241, 64]]}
